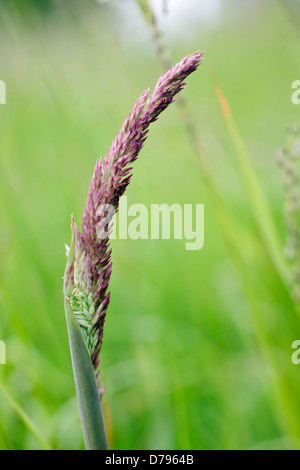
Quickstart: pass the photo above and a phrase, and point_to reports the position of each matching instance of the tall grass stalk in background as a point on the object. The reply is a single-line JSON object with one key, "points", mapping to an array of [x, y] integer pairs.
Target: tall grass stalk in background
{"points": [[89, 264], [25, 418], [165, 58], [259, 205], [230, 229], [272, 245]]}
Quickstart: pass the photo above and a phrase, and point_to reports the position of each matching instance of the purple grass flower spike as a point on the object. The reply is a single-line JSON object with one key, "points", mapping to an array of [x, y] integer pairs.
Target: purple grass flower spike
{"points": [[112, 174]]}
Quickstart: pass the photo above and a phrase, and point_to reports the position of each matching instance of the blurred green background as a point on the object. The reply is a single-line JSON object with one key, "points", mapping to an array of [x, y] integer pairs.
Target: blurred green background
{"points": [[189, 359]]}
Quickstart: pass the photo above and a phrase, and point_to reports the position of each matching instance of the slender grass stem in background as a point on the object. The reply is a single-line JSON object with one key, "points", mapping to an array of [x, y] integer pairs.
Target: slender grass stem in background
{"points": [[228, 226], [259, 205], [25, 418], [89, 265], [165, 58], [288, 160], [292, 10], [271, 242], [230, 230]]}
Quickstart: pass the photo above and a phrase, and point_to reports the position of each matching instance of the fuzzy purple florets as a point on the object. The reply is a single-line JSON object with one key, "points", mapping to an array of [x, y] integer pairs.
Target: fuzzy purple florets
{"points": [[111, 177]]}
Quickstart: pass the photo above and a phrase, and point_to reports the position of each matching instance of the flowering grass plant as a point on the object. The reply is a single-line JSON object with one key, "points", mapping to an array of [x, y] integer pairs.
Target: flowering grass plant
{"points": [[89, 264]]}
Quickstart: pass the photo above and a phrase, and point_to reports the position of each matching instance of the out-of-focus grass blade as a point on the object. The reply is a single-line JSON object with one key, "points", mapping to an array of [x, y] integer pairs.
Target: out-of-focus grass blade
{"points": [[85, 381], [259, 205], [231, 230], [25, 418]]}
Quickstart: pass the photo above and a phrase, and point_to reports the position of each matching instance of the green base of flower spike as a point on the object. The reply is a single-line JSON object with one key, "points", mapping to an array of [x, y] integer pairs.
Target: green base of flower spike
{"points": [[85, 380], [86, 387]]}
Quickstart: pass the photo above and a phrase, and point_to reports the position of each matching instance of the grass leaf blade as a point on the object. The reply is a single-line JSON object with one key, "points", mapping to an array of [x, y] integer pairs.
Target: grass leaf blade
{"points": [[25, 418], [259, 204], [86, 387]]}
